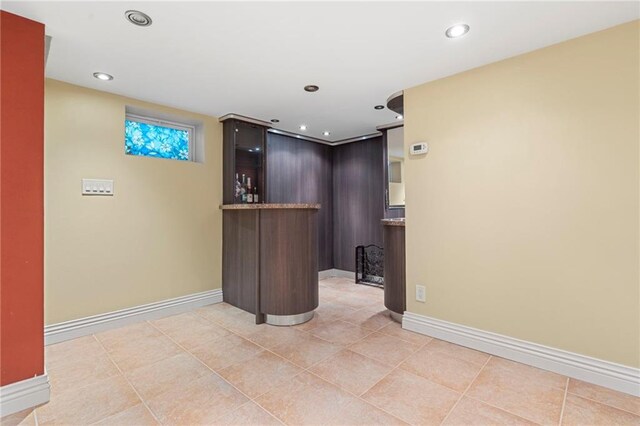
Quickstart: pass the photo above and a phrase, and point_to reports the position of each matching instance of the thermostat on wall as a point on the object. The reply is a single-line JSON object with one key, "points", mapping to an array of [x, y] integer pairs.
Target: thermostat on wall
{"points": [[418, 148]]}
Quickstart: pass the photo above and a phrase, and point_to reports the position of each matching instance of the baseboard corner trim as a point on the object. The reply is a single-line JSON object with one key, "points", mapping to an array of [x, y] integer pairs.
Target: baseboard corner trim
{"points": [[330, 273], [599, 372], [24, 394], [56, 333]]}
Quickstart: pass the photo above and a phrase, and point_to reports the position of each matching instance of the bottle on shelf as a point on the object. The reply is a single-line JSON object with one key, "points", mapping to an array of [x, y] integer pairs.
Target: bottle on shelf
{"points": [[249, 191], [243, 189], [255, 194], [238, 189]]}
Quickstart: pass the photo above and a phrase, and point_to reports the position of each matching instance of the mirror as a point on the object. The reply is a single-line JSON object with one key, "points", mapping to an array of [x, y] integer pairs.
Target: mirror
{"points": [[395, 167]]}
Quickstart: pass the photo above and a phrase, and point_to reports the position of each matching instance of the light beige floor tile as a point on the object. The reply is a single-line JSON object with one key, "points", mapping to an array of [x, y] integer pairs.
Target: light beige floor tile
{"points": [[340, 332], [72, 351], [472, 412], [250, 414], [155, 379], [579, 411], [225, 351], [361, 413], [21, 418], [529, 374], [197, 403], [351, 371], [384, 348], [190, 329], [457, 351], [315, 322], [356, 301], [305, 400], [333, 310], [137, 415], [412, 398], [453, 373], [395, 329], [606, 396], [222, 312], [269, 336], [81, 371], [88, 404], [144, 352], [373, 319], [243, 324], [525, 394], [127, 336], [307, 350], [260, 373]]}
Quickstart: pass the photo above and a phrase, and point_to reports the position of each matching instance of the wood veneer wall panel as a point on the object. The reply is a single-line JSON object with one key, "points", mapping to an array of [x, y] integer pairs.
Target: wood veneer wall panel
{"points": [[358, 199], [300, 171]]}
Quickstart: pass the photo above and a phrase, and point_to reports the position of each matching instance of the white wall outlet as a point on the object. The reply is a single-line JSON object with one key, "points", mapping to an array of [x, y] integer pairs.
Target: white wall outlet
{"points": [[421, 293], [97, 187]]}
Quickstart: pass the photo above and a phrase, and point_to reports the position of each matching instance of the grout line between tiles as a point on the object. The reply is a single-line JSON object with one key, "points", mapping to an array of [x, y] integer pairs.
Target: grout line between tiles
{"points": [[466, 389], [603, 403], [564, 401], [128, 382]]}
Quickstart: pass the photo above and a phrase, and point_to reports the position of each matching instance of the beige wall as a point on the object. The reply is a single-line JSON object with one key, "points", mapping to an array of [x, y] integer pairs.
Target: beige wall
{"points": [[523, 219], [158, 237]]}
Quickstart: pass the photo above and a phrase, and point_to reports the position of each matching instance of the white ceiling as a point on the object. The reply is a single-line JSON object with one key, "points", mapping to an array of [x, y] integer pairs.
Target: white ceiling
{"points": [[254, 58]]}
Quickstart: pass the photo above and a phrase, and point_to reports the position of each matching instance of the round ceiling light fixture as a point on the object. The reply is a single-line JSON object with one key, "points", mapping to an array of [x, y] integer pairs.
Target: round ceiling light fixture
{"points": [[326, 133], [378, 107], [457, 30], [303, 127], [399, 117], [138, 18], [275, 120], [311, 88], [103, 76]]}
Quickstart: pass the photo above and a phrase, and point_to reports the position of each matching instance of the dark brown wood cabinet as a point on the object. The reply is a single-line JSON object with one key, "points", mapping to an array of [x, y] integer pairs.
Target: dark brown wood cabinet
{"points": [[270, 260], [243, 153], [395, 296]]}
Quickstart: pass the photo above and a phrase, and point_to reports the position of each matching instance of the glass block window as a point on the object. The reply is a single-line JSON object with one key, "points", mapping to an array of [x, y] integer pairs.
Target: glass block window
{"points": [[151, 137]]}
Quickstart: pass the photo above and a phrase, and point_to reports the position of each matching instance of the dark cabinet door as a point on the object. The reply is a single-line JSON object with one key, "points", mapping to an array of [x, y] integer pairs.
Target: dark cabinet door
{"points": [[243, 154]]}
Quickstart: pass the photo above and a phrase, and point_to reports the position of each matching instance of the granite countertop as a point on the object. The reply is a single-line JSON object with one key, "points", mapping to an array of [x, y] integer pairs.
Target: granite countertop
{"points": [[393, 222], [259, 206]]}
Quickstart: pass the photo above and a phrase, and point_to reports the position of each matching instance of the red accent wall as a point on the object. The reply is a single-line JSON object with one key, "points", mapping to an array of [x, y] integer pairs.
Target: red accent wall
{"points": [[21, 198]]}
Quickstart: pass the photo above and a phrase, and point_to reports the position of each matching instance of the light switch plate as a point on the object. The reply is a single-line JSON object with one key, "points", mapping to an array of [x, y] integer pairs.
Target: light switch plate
{"points": [[97, 187]]}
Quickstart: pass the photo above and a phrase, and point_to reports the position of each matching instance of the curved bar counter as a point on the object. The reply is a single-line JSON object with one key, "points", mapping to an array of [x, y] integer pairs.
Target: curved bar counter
{"points": [[394, 268], [270, 260]]}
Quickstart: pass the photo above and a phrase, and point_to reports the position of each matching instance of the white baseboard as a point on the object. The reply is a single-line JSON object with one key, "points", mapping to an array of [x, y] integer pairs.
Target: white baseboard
{"points": [[24, 394], [328, 273], [604, 373], [67, 330]]}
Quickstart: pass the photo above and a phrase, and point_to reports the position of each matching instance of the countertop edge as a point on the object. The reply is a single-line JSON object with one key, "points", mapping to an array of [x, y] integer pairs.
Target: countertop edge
{"points": [[393, 222], [268, 206]]}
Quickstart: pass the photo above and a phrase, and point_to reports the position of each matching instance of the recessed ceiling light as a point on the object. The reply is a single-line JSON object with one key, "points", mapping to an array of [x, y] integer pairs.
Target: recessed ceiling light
{"points": [[379, 107], [303, 127], [326, 133], [138, 18], [257, 148], [311, 88], [275, 120], [399, 117], [250, 150], [103, 76], [457, 30]]}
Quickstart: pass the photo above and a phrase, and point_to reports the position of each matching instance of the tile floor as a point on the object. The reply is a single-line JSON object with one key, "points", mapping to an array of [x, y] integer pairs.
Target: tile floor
{"points": [[350, 365]]}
